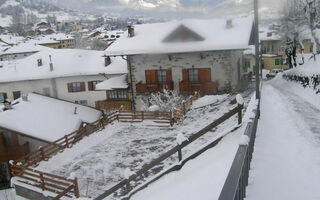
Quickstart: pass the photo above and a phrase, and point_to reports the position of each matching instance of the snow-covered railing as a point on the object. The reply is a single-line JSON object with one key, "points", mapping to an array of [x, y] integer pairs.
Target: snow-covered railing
{"points": [[125, 187], [312, 82], [44, 181], [235, 185], [45, 152]]}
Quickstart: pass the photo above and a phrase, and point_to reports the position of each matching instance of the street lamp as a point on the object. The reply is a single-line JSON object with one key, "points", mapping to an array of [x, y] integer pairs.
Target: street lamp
{"points": [[256, 41]]}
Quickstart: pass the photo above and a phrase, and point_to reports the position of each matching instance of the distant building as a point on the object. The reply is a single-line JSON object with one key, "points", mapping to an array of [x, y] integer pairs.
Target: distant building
{"points": [[67, 74]]}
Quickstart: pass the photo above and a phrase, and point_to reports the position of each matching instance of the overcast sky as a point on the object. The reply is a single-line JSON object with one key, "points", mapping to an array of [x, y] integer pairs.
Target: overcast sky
{"points": [[169, 8]]}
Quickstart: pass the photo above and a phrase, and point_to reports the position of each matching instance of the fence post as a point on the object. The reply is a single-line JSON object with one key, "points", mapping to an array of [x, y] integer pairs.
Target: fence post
{"points": [[42, 153], [240, 114], [179, 153], [67, 141], [171, 118], [42, 184], [76, 188], [184, 107], [142, 115]]}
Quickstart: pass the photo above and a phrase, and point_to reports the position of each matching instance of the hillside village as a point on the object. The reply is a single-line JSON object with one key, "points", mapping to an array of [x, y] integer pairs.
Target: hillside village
{"points": [[105, 107]]}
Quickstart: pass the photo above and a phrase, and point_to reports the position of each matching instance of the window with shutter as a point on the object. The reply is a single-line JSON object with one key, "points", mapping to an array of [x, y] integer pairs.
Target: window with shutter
{"points": [[204, 75], [76, 87], [185, 75], [162, 76], [151, 76]]}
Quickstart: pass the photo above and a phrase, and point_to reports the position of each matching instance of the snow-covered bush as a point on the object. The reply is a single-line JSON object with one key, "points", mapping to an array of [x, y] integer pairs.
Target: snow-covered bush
{"points": [[163, 101]]}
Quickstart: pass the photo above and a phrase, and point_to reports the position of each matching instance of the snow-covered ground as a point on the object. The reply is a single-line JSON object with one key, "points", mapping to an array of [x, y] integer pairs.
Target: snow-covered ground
{"points": [[286, 162], [100, 160]]}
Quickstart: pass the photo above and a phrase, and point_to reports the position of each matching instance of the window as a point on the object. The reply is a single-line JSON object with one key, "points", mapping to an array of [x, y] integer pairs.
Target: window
{"points": [[277, 61], [311, 48], [193, 75], [92, 85], [3, 97], [76, 87], [46, 91], [84, 102], [162, 76], [118, 94], [113, 94], [281, 61], [246, 64], [16, 94]]}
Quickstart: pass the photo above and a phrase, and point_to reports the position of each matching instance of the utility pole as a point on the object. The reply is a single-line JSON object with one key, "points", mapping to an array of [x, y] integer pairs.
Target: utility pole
{"points": [[256, 41]]}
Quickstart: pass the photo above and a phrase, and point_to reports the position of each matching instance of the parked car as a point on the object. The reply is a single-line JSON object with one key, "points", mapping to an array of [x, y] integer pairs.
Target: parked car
{"points": [[273, 73]]}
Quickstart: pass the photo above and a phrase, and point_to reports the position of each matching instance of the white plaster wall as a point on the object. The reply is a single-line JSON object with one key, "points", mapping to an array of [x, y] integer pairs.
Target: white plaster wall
{"points": [[26, 87], [58, 88], [90, 96]]}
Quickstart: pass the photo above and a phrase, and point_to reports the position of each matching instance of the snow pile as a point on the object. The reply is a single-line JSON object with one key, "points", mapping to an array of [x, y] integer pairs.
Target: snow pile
{"points": [[244, 140], [46, 118], [207, 100], [181, 138], [154, 108], [239, 99], [309, 68], [250, 114], [127, 173]]}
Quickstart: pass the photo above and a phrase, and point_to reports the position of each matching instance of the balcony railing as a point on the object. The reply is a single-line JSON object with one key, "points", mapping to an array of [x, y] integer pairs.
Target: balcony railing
{"points": [[204, 88], [147, 88]]}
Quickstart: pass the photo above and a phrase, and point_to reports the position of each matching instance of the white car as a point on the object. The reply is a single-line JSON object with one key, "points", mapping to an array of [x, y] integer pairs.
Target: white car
{"points": [[273, 73]]}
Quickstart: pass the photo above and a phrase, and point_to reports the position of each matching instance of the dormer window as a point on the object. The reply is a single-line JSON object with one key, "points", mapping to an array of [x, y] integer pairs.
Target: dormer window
{"points": [[107, 61], [39, 61]]}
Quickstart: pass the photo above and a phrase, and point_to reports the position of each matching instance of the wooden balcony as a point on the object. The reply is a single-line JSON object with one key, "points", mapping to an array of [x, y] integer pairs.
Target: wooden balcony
{"points": [[204, 88], [115, 104], [14, 152], [148, 88]]}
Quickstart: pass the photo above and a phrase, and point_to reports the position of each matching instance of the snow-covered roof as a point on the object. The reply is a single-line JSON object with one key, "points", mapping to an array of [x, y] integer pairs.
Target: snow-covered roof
{"points": [[66, 62], [209, 35], [268, 35], [24, 47], [250, 50], [36, 117], [11, 39], [118, 82]]}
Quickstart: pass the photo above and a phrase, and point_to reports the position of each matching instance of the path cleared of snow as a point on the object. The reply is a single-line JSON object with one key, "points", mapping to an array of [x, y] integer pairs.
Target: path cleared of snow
{"points": [[286, 162]]}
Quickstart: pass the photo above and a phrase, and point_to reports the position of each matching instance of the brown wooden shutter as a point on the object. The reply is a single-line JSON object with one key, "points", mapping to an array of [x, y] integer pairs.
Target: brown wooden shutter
{"points": [[205, 75], [82, 86], [127, 94], [151, 76], [169, 75], [69, 87], [185, 77], [90, 86], [107, 93]]}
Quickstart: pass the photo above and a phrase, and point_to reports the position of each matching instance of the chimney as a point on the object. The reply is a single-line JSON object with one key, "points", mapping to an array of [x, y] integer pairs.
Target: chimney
{"points": [[229, 23], [130, 31], [50, 64], [39, 62], [24, 97], [107, 61]]}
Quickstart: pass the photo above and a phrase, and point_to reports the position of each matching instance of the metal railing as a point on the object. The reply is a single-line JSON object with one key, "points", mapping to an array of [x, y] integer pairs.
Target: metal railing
{"points": [[235, 185]]}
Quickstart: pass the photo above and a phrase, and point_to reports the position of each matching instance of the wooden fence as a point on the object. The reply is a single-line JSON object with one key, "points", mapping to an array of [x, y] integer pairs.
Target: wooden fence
{"points": [[20, 167], [180, 112], [125, 186], [45, 181]]}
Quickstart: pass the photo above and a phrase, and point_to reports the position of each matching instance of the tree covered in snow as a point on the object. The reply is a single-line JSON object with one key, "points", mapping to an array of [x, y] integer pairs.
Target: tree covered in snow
{"points": [[164, 101], [298, 17]]}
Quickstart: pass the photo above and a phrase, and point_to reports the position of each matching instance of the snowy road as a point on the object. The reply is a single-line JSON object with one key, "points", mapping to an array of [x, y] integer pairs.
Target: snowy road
{"points": [[286, 162]]}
